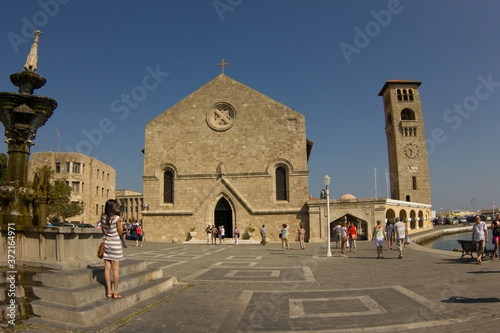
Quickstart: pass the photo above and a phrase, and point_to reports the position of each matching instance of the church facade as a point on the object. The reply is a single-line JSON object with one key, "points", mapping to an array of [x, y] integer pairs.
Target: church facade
{"points": [[231, 156], [225, 155]]}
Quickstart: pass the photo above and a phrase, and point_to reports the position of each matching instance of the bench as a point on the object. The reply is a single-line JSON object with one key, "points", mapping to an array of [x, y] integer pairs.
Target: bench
{"points": [[468, 247]]}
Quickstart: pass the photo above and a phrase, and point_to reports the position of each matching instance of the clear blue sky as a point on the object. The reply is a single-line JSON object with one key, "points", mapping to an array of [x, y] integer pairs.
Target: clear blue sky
{"points": [[308, 55]]}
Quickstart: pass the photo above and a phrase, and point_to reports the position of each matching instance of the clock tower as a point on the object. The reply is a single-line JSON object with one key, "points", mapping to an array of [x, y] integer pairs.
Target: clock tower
{"points": [[404, 127]]}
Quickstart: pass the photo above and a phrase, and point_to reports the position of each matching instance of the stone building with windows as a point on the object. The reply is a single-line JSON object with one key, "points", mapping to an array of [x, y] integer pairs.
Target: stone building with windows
{"points": [[225, 155], [92, 181]]}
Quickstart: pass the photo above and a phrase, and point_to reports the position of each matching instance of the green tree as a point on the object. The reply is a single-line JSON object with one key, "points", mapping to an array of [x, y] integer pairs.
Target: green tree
{"points": [[3, 168], [61, 204]]}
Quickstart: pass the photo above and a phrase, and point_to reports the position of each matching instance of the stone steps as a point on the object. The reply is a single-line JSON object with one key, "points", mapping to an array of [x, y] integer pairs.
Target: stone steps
{"points": [[84, 276], [85, 304]]}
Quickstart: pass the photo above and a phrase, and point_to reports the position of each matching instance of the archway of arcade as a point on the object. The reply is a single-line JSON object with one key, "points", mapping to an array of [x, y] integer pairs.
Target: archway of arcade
{"points": [[361, 225]]}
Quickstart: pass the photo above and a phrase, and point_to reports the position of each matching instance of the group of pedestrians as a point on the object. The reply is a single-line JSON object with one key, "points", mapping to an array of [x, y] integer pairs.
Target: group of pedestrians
{"points": [[480, 236], [397, 232], [284, 233], [346, 235], [136, 232], [213, 233]]}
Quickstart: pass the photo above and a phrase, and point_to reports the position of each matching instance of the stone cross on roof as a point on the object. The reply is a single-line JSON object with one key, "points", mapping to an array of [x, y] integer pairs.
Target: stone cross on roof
{"points": [[33, 56], [223, 64]]}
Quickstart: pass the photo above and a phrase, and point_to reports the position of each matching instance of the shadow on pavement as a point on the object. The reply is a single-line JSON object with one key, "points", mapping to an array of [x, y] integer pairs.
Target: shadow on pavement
{"points": [[459, 299], [484, 272], [458, 261]]}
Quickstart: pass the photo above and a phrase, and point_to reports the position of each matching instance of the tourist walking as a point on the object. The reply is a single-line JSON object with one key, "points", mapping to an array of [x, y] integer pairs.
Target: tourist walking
{"points": [[352, 237], [236, 234], [139, 234], [379, 235], [389, 233], [112, 229], [344, 238], [495, 230], [263, 234], [123, 236], [301, 234], [208, 230], [336, 235], [400, 232], [497, 220], [215, 234], [479, 237], [222, 235], [284, 237]]}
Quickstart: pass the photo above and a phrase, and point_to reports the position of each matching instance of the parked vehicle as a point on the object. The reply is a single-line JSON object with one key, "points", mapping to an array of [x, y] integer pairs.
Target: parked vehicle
{"points": [[84, 225], [471, 218], [62, 224], [459, 219]]}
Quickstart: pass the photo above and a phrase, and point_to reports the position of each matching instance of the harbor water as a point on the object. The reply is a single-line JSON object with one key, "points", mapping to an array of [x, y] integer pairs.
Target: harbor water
{"points": [[449, 242]]}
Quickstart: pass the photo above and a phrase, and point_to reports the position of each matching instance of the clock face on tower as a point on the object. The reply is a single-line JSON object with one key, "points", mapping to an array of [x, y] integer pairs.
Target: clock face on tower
{"points": [[411, 150], [221, 116]]}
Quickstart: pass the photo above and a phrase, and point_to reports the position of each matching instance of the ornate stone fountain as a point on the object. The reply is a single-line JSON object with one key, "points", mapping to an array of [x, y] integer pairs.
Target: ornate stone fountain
{"points": [[22, 114], [28, 248], [24, 236]]}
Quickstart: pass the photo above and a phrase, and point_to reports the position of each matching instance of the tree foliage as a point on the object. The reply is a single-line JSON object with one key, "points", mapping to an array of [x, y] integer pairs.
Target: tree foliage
{"points": [[61, 204]]}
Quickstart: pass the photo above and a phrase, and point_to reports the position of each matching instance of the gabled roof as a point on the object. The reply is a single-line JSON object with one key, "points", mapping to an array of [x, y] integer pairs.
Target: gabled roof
{"points": [[418, 83]]}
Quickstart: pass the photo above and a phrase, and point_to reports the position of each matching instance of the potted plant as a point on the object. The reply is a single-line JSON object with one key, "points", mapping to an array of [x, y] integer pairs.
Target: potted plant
{"points": [[192, 233], [250, 231]]}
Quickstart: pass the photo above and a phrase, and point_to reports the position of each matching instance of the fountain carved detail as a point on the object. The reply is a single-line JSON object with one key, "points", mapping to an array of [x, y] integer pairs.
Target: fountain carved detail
{"points": [[22, 114]]}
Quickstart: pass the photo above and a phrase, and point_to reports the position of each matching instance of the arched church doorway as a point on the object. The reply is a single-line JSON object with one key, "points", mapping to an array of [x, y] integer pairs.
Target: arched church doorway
{"points": [[223, 215]]}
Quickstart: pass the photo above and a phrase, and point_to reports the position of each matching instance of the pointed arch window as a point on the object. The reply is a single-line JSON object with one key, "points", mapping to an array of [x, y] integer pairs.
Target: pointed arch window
{"points": [[168, 186], [281, 184]]}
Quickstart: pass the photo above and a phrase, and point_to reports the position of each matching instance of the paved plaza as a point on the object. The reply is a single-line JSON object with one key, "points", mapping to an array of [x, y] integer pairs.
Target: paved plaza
{"points": [[249, 287]]}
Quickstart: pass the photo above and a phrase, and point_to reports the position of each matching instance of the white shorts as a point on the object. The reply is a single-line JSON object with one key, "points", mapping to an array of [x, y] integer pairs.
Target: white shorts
{"points": [[379, 242]]}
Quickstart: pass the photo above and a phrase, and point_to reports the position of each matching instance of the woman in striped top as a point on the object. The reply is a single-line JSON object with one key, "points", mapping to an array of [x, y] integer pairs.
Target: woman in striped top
{"points": [[112, 228]]}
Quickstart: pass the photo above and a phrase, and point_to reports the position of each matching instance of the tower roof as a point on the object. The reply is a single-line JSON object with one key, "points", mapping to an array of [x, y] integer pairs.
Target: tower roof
{"points": [[418, 83]]}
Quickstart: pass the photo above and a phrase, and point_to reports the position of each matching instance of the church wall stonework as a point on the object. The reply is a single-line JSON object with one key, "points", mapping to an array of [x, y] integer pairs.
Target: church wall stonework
{"points": [[224, 140]]}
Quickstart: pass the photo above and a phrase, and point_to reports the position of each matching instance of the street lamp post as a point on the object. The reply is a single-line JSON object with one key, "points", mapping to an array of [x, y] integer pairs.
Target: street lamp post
{"points": [[326, 181]]}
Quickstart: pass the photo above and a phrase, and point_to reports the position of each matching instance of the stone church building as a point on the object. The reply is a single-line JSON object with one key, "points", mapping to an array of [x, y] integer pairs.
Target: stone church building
{"points": [[229, 155], [225, 155]]}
